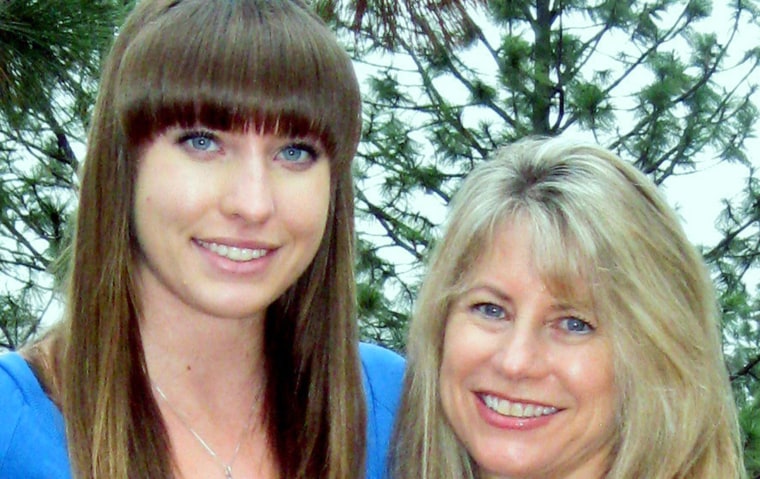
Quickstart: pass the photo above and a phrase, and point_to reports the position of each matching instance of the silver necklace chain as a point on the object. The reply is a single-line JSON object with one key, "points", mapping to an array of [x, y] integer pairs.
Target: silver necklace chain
{"points": [[226, 466]]}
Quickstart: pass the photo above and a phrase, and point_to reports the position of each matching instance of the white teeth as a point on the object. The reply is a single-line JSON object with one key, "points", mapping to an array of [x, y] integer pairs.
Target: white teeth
{"points": [[232, 252], [516, 409]]}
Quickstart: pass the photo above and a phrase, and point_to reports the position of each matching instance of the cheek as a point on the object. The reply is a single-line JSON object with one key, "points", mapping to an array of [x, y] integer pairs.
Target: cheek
{"points": [[593, 382], [142, 206], [448, 385], [448, 352], [164, 201], [305, 205], [458, 357]]}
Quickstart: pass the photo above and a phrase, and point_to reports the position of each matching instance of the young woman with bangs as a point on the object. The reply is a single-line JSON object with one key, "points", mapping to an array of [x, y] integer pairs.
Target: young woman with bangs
{"points": [[210, 328]]}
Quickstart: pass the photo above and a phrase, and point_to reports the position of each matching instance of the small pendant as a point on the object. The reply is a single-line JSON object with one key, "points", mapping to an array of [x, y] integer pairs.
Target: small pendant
{"points": [[227, 472]]}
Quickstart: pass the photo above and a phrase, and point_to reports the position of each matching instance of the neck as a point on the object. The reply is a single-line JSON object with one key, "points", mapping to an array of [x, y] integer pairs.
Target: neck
{"points": [[202, 355], [211, 377], [202, 352]]}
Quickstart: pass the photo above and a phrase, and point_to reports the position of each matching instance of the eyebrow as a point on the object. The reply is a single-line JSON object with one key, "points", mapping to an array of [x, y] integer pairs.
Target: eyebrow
{"points": [[483, 287], [557, 306]]}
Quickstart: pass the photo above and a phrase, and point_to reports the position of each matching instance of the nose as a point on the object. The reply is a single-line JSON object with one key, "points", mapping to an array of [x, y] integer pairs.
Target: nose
{"points": [[522, 354], [247, 191]]}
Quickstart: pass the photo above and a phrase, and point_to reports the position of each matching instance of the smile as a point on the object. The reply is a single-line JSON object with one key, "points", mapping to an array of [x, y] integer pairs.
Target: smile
{"points": [[505, 407], [232, 252]]}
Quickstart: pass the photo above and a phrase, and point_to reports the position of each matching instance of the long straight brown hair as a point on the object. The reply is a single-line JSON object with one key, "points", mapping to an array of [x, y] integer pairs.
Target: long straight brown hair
{"points": [[226, 64]]}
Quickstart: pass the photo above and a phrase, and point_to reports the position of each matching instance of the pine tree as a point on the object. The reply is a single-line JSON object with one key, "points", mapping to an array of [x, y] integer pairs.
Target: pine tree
{"points": [[666, 84], [50, 52]]}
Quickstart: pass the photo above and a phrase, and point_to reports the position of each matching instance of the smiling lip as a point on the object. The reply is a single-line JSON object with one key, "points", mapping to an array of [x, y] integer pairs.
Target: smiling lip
{"points": [[239, 254]]}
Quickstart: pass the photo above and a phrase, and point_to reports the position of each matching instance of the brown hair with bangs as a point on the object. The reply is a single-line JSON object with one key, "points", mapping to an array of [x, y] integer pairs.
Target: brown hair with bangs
{"points": [[228, 66], [272, 66]]}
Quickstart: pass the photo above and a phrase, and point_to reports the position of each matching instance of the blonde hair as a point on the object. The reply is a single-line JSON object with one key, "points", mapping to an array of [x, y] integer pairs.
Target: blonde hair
{"points": [[597, 218], [231, 65]]}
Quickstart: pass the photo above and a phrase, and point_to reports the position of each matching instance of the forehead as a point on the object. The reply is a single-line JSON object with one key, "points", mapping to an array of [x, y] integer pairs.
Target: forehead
{"points": [[521, 251], [228, 64]]}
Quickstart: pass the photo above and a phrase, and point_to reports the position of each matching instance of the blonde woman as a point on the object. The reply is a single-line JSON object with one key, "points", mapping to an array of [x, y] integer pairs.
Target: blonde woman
{"points": [[566, 329], [210, 329]]}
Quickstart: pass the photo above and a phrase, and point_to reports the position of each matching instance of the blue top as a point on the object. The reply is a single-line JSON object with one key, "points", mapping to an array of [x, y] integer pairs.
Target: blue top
{"points": [[33, 441]]}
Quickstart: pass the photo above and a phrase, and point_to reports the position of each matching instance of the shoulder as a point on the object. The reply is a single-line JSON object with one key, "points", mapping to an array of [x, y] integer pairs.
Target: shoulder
{"points": [[15, 377], [32, 438], [377, 357], [383, 370], [383, 377], [20, 387]]}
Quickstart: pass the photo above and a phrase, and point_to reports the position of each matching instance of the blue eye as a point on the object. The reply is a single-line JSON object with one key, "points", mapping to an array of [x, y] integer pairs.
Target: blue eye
{"points": [[298, 153], [201, 141], [490, 310], [576, 326]]}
